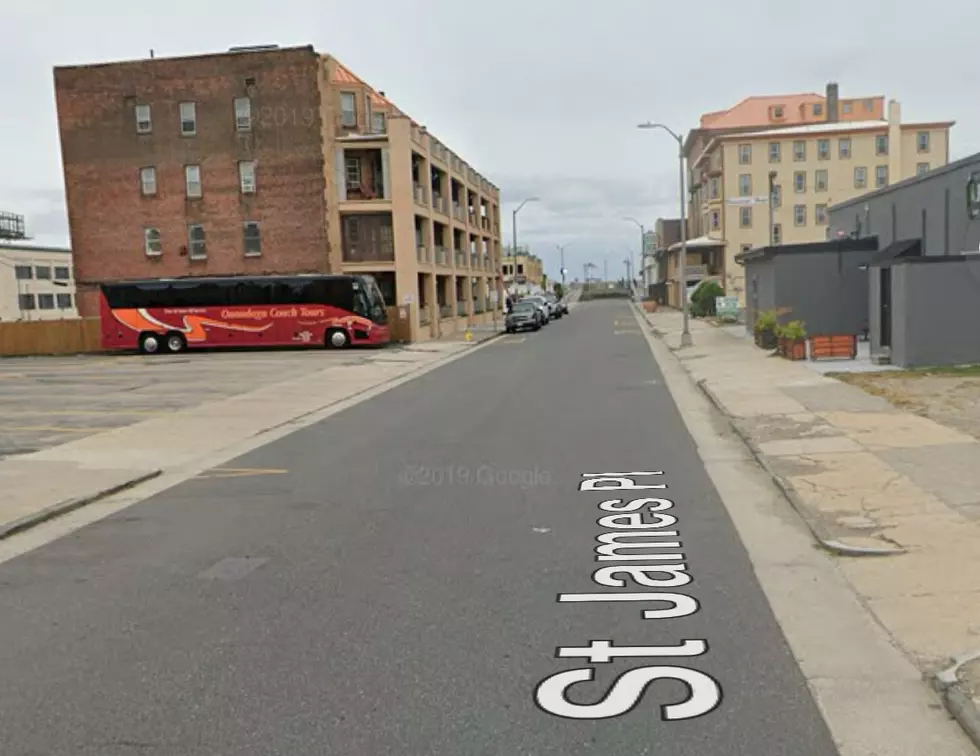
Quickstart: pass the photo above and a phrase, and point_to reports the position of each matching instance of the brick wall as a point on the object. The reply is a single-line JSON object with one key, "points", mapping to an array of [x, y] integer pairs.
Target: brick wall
{"points": [[103, 154]]}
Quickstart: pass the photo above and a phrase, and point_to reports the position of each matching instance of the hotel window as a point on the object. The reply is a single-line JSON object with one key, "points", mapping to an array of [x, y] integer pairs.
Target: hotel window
{"points": [[881, 144], [144, 120], [860, 177], [27, 301], [148, 181], [195, 242], [881, 176], [922, 141], [246, 176], [23, 272], [714, 188], [820, 215], [745, 217], [188, 118], [844, 148], [820, 181], [799, 182], [845, 107], [192, 180], [775, 153], [352, 170], [151, 242], [64, 301], [869, 105], [777, 233], [42, 272], [777, 195], [777, 111], [348, 109], [251, 238], [799, 215], [243, 114], [921, 168], [818, 108], [799, 150], [62, 273], [745, 185], [45, 301], [823, 149], [378, 123], [745, 154]]}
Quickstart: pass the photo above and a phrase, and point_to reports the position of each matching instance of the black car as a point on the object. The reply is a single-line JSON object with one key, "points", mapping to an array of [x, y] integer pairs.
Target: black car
{"points": [[523, 316]]}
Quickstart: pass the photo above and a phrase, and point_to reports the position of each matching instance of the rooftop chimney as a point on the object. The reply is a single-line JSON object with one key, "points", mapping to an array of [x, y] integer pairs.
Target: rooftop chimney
{"points": [[833, 102]]}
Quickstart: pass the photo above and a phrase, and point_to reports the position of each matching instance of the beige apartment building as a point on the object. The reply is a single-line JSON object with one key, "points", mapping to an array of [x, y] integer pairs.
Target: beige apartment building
{"points": [[529, 275], [819, 150], [36, 283]]}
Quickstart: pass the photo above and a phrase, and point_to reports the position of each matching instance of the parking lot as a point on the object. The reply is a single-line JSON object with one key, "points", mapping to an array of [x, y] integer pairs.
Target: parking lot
{"points": [[45, 401]]}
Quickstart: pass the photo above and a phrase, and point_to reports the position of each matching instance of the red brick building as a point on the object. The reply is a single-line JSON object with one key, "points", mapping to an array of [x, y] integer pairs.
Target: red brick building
{"points": [[164, 178]]}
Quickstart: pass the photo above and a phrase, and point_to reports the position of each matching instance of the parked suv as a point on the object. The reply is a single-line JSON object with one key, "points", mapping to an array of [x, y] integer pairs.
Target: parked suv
{"points": [[522, 316], [542, 304]]}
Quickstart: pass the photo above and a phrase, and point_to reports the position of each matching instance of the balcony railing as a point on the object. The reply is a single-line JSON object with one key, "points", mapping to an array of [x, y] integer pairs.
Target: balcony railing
{"points": [[440, 204], [417, 136], [485, 223], [478, 307], [459, 213], [696, 270], [445, 311], [422, 253], [460, 259], [424, 314], [442, 256], [461, 308], [420, 195], [472, 217], [487, 264], [474, 260]]}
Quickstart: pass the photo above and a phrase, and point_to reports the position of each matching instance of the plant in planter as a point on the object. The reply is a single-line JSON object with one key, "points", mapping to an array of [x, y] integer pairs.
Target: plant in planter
{"points": [[765, 329], [703, 298], [792, 340]]}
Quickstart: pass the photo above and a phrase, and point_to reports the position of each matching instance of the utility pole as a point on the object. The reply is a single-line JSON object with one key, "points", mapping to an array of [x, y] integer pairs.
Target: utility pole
{"points": [[643, 263], [516, 255], [561, 252], [772, 209]]}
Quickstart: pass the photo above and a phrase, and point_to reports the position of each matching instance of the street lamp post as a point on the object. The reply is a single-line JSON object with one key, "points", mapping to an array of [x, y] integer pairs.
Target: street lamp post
{"points": [[643, 265], [686, 340], [561, 252], [516, 257]]}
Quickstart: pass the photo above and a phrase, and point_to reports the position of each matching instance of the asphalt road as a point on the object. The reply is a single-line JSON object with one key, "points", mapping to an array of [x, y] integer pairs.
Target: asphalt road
{"points": [[395, 592]]}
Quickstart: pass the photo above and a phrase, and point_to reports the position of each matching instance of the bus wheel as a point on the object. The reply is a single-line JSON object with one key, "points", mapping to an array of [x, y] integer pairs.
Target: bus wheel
{"points": [[149, 343], [176, 343], [337, 338]]}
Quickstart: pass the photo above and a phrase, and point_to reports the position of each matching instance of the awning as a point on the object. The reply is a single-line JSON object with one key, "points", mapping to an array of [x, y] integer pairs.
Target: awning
{"points": [[701, 241]]}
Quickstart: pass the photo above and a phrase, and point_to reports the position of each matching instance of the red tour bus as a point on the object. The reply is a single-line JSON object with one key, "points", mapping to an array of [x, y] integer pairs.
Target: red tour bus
{"points": [[170, 315]]}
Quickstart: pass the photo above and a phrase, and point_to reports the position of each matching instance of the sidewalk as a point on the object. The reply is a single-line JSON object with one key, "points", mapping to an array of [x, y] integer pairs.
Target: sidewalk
{"points": [[38, 486], [894, 496]]}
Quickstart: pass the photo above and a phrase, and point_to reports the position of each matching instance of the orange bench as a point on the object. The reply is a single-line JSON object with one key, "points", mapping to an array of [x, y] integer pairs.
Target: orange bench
{"points": [[839, 346]]}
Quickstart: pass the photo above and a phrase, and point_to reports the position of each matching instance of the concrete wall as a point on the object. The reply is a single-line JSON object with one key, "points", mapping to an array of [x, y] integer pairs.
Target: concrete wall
{"points": [[826, 290], [935, 305], [931, 207]]}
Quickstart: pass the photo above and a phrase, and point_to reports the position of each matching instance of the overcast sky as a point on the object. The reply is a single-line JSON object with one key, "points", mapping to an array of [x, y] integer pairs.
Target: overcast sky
{"points": [[541, 96]]}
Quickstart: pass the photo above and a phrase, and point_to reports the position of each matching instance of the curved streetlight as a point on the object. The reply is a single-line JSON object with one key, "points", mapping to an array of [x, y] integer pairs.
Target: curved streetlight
{"points": [[686, 333], [519, 207]]}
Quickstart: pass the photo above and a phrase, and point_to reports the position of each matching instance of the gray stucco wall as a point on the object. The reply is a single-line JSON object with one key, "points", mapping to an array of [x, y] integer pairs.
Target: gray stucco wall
{"points": [[760, 285], [936, 307], [826, 290], [931, 207], [874, 309]]}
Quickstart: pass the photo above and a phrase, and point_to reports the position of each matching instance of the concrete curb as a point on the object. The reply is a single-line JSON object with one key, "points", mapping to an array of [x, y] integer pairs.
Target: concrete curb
{"points": [[823, 538], [70, 505], [959, 704]]}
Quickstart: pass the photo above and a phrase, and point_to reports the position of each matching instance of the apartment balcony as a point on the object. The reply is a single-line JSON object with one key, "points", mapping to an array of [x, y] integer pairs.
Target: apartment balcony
{"points": [[442, 255], [422, 253], [461, 309], [460, 259], [440, 204], [459, 213], [485, 223], [478, 307], [437, 150], [474, 260], [472, 218], [421, 195], [424, 314], [367, 237], [361, 176], [418, 136], [445, 311], [487, 264]]}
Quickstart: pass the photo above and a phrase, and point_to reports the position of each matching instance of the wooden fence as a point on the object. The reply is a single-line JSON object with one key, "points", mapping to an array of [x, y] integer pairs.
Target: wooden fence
{"points": [[38, 337]]}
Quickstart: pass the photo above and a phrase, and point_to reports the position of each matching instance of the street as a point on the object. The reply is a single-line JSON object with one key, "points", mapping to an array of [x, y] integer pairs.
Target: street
{"points": [[416, 580]]}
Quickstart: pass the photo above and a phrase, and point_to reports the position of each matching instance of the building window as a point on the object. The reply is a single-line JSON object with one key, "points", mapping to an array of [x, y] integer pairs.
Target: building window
{"points": [[820, 181], [348, 109], [253, 242], [922, 140], [152, 246], [42, 272], [921, 168], [64, 301], [27, 302], [745, 154], [188, 118], [881, 144], [23, 272], [746, 247], [869, 105], [45, 301], [195, 242], [714, 188], [246, 176], [844, 148], [715, 220], [775, 152], [777, 111], [845, 107], [799, 215], [777, 233], [243, 114], [745, 185], [192, 180], [144, 120], [62, 273], [799, 150], [820, 215], [860, 177], [777, 195], [823, 149], [881, 176], [745, 217], [148, 181], [378, 123], [352, 169], [799, 182], [817, 108]]}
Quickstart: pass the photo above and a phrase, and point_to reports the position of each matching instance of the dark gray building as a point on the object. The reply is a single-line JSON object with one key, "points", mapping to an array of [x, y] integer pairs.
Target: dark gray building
{"points": [[932, 207], [824, 284]]}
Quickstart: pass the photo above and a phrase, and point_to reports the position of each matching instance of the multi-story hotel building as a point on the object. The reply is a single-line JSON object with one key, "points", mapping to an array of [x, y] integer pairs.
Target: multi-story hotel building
{"points": [[809, 151], [270, 161], [36, 283]]}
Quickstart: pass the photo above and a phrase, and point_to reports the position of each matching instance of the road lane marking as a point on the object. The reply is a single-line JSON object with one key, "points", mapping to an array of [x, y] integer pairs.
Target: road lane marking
{"points": [[620, 333], [233, 568], [240, 472], [517, 340]]}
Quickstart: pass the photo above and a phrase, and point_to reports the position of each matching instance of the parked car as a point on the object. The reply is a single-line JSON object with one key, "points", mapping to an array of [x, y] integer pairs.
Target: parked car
{"points": [[524, 315], [542, 304], [558, 308]]}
